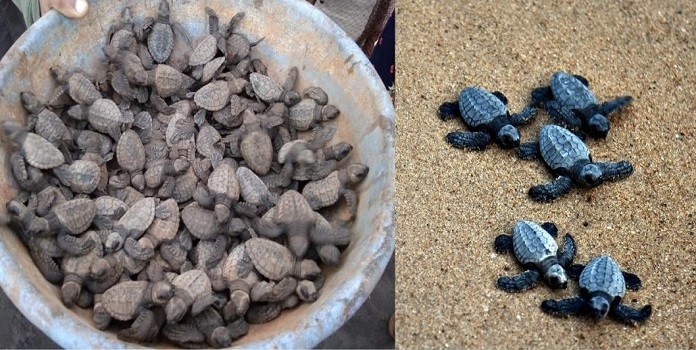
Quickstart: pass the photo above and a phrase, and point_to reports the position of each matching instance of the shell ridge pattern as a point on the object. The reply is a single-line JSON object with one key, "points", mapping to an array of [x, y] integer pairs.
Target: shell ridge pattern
{"points": [[532, 244], [560, 148], [603, 274], [478, 106], [571, 92]]}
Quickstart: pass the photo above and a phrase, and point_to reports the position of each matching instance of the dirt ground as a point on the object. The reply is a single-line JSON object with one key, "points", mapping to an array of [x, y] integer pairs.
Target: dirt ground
{"points": [[451, 203]]}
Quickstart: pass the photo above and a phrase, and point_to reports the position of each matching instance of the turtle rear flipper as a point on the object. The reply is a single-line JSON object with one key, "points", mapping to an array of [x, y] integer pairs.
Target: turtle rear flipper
{"points": [[563, 307], [523, 117], [563, 116], [503, 244], [613, 171], [529, 150], [541, 95], [520, 282], [143, 329], [629, 315], [611, 106], [473, 140], [569, 249], [551, 190], [449, 110], [633, 282]]}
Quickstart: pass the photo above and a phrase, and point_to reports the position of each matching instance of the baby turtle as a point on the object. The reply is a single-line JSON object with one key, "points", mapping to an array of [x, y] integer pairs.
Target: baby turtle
{"points": [[37, 151], [602, 287], [295, 214], [223, 184], [308, 113], [160, 42], [104, 116], [328, 191], [570, 160], [570, 103], [487, 116], [535, 248], [270, 91], [130, 154], [275, 261], [191, 289], [80, 88]]}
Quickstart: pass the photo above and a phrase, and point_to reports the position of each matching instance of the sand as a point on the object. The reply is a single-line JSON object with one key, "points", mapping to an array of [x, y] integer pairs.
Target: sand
{"points": [[451, 204]]}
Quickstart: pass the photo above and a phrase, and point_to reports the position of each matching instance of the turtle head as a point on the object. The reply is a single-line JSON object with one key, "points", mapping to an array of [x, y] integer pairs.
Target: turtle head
{"points": [[599, 126], [599, 306], [163, 10], [341, 150], [13, 130], [175, 310], [556, 277], [590, 175], [161, 292], [357, 172], [221, 337], [508, 136]]}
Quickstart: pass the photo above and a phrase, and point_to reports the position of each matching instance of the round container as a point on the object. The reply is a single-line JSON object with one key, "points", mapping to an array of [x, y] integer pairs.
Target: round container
{"points": [[296, 34]]}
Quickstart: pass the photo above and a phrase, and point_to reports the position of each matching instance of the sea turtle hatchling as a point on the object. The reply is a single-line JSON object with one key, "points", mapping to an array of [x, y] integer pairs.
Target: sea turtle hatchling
{"points": [[160, 42], [535, 248], [570, 103], [268, 90], [602, 287], [570, 160], [486, 114], [328, 191], [192, 291], [37, 151], [275, 261]]}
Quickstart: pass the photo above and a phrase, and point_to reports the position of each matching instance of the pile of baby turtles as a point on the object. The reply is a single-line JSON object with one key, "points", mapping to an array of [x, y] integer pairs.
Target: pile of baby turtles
{"points": [[185, 191], [575, 114]]}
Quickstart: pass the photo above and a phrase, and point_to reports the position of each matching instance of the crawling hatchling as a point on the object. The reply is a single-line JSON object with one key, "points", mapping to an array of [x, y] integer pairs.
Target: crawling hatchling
{"points": [[602, 287], [571, 103], [486, 115], [570, 160], [535, 248]]}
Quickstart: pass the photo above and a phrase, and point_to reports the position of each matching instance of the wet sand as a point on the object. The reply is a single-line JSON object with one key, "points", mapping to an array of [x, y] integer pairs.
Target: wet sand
{"points": [[451, 203]]}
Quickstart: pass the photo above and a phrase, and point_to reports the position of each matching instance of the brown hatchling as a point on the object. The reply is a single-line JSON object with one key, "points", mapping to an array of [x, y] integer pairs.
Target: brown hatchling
{"points": [[208, 327], [192, 290], [264, 313], [274, 261], [104, 116], [209, 144], [168, 81], [77, 269], [270, 91], [306, 291], [216, 95], [224, 186], [160, 169], [210, 70], [273, 292], [160, 42], [164, 228], [82, 176], [294, 214], [52, 128], [80, 88], [253, 190], [308, 113], [326, 161], [317, 94], [130, 154], [36, 150], [72, 217], [108, 211], [256, 145], [202, 223], [27, 176], [328, 191], [239, 276]]}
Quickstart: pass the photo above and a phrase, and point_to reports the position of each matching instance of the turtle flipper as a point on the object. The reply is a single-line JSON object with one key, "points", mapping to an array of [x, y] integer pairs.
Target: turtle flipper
{"points": [[449, 110], [582, 79], [563, 307], [352, 200], [632, 281], [629, 315], [520, 282], [569, 249], [473, 140], [500, 96], [613, 171], [503, 244], [529, 150], [136, 250], [143, 329], [611, 106], [563, 116], [74, 245], [551, 190], [541, 95], [202, 303], [575, 270], [523, 117], [551, 228]]}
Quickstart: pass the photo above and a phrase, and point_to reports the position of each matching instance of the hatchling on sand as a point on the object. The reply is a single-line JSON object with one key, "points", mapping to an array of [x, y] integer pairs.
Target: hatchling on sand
{"points": [[602, 288], [328, 191], [570, 160], [487, 116], [275, 261], [535, 248], [570, 103], [37, 151]]}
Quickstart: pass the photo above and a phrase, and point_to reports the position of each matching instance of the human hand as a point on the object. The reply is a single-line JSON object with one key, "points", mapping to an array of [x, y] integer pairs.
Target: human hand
{"points": [[69, 8]]}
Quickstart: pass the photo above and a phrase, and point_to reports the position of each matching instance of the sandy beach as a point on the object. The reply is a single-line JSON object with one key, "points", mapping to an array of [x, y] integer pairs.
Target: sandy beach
{"points": [[452, 203]]}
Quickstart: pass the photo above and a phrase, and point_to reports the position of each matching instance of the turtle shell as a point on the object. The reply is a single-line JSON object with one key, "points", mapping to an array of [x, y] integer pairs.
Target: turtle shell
{"points": [[531, 243], [204, 51], [271, 259], [139, 217], [40, 153], [560, 148], [185, 186], [213, 96], [291, 208], [200, 222], [80, 265], [479, 107], [265, 88], [160, 42], [164, 230], [108, 209], [82, 90], [571, 92], [76, 215], [122, 300], [302, 115], [252, 188], [211, 68], [209, 145], [603, 274], [237, 265], [104, 113], [223, 180], [130, 152], [196, 282], [50, 127], [169, 81], [85, 176], [324, 192], [257, 151]]}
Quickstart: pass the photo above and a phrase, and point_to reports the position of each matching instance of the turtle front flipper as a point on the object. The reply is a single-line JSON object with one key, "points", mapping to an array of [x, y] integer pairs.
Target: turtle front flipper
{"points": [[551, 190], [582, 79], [529, 150], [611, 106], [575, 270], [74, 245], [201, 303], [541, 95], [551, 228], [633, 282], [352, 200], [143, 329], [613, 171], [629, 315], [472, 140], [520, 282], [563, 116], [449, 110], [524, 116], [503, 244], [184, 334], [500, 96], [563, 307], [136, 250], [569, 249]]}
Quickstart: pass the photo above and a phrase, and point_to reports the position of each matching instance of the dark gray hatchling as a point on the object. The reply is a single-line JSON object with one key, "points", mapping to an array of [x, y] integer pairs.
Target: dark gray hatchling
{"points": [[160, 42], [192, 292], [486, 115], [79, 87], [602, 288], [36, 150], [329, 190], [570, 160], [535, 248], [571, 103]]}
